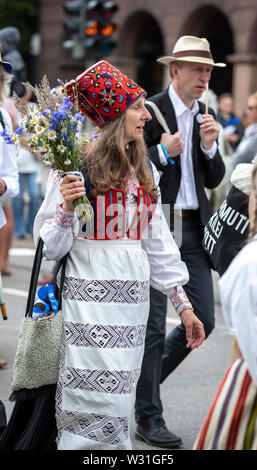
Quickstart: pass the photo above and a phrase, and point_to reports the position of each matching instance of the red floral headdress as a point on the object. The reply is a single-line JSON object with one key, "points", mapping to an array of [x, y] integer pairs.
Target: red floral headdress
{"points": [[103, 92]]}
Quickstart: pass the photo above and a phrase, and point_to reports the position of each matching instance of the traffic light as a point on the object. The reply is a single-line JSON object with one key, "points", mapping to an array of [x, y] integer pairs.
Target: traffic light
{"points": [[73, 27], [73, 9], [101, 27], [90, 26]]}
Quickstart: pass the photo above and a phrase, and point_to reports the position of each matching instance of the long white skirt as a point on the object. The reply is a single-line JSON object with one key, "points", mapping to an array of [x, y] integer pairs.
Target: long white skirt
{"points": [[105, 307]]}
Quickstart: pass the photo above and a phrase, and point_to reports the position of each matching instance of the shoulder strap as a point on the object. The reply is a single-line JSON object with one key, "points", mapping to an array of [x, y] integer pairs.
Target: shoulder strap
{"points": [[158, 116], [2, 119], [35, 274]]}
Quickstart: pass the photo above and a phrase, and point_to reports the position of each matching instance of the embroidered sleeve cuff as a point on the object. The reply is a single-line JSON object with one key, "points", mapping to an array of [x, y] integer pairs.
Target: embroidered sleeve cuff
{"points": [[180, 300], [63, 218]]}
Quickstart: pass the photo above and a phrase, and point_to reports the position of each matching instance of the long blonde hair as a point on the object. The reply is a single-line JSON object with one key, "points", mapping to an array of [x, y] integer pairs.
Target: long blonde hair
{"points": [[109, 164]]}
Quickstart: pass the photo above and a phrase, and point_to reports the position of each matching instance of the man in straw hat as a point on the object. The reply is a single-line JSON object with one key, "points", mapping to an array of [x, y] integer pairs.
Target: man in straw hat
{"points": [[187, 155]]}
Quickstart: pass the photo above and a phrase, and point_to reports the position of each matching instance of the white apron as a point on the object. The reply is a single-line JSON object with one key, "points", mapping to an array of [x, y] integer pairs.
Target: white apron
{"points": [[105, 307]]}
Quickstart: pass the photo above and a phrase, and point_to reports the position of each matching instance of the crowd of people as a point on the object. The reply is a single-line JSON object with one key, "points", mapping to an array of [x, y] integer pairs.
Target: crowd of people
{"points": [[115, 352]]}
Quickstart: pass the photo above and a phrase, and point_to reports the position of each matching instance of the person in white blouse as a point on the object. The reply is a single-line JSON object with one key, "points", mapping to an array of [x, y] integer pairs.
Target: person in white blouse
{"points": [[9, 183], [8, 168], [9, 180], [109, 268], [189, 161]]}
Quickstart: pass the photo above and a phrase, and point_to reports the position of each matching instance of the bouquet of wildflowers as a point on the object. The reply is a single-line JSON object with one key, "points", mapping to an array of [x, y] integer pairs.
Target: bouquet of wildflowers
{"points": [[52, 131]]}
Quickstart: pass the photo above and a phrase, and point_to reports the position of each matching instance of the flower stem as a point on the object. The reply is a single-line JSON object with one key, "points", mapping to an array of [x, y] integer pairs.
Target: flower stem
{"points": [[83, 209]]}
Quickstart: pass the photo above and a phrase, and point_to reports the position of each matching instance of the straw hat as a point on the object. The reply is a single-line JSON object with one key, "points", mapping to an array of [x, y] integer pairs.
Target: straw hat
{"points": [[191, 49], [103, 92]]}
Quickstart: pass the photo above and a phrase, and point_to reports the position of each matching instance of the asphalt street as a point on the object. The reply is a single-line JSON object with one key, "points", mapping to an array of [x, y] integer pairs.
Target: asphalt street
{"points": [[186, 394]]}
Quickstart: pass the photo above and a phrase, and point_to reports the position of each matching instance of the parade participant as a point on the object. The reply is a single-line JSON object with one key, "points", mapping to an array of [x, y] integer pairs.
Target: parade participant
{"points": [[189, 160], [111, 262], [233, 129], [230, 423], [247, 148], [9, 185]]}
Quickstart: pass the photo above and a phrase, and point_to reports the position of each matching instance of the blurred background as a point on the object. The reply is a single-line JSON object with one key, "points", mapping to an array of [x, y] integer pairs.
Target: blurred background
{"points": [[60, 38]]}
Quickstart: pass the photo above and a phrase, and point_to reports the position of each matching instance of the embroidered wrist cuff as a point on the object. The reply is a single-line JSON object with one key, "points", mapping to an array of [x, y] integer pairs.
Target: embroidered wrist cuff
{"points": [[180, 300], [63, 218]]}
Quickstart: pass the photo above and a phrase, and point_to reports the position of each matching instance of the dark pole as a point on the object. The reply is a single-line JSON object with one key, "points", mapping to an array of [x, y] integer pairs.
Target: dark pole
{"points": [[79, 49]]}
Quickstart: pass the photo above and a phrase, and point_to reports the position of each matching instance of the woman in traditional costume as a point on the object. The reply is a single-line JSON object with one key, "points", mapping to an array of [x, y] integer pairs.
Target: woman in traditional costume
{"points": [[110, 265]]}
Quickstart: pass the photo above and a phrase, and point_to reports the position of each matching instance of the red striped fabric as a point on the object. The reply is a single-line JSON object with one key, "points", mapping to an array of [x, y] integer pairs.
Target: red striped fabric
{"points": [[236, 418], [231, 422], [199, 445]]}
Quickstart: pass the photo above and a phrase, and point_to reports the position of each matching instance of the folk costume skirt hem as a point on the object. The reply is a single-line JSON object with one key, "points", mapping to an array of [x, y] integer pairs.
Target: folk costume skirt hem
{"points": [[105, 308], [231, 422]]}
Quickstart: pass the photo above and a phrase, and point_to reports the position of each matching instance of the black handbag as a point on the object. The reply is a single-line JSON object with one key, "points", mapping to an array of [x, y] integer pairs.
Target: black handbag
{"points": [[32, 424]]}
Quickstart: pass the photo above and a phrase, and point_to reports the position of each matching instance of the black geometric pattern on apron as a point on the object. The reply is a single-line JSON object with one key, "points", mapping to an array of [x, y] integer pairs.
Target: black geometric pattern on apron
{"points": [[107, 381], [115, 291], [105, 336], [107, 429]]}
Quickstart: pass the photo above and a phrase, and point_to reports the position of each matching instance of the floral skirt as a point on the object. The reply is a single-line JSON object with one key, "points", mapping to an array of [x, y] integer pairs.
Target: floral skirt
{"points": [[105, 307]]}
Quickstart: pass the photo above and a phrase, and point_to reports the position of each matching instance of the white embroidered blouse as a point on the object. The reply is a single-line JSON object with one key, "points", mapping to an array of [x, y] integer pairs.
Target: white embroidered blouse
{"points": [[57, 228]]}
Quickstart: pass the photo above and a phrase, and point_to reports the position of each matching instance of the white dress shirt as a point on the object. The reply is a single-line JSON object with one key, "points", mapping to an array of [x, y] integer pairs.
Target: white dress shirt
{"points": [[186, 197], [8, 165]]}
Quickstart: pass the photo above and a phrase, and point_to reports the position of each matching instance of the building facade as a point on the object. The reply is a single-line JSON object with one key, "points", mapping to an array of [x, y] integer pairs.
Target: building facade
{"points": [[148, 29]]}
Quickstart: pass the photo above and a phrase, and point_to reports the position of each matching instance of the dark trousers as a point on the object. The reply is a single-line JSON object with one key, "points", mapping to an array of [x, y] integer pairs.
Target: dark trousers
{"points": [[162, 355]]}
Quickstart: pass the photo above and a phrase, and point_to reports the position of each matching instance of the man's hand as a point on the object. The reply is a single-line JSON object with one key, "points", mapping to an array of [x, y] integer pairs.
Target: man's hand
{"points": [[173, 143], [195, 333], [209, 131], [2, 187]]}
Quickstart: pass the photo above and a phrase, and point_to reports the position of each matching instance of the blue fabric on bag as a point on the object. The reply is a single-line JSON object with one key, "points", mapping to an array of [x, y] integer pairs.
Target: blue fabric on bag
{"points": [[46, 302]]}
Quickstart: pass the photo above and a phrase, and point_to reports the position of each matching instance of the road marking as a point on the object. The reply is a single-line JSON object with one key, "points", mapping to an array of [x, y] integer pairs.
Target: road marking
{"points": [[173, 321], [17, 292], [22, 252]]}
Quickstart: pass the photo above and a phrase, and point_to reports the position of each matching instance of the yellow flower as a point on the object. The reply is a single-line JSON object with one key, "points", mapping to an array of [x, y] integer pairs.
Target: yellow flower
{"points": [[61, 148], [34, 138], [51, 135], [39, 129]]}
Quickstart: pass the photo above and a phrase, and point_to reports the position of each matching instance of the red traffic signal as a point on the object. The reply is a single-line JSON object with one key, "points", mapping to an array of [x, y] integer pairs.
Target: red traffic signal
{"points": [[108, 8]]}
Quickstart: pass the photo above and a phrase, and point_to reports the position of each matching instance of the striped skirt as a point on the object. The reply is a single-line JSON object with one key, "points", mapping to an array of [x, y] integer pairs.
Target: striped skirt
{"points": [[231, 423], [105, 308]]}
